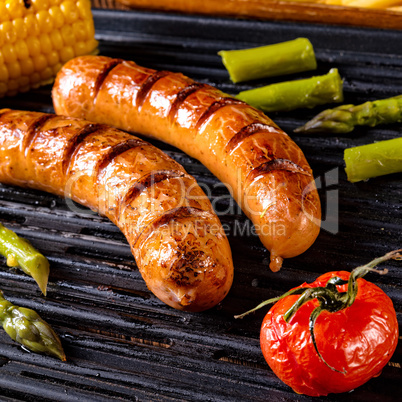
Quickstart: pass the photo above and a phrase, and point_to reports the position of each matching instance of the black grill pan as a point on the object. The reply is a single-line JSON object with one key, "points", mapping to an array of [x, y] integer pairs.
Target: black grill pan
{"points": [[124, 344]]}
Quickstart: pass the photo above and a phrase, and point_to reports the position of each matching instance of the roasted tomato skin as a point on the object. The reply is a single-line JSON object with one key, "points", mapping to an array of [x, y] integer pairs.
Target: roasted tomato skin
{"points": [[358, 340]]}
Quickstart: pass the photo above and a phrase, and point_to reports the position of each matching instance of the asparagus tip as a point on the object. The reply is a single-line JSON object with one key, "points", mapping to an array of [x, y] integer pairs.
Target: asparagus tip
{"points": [[60, 354], [41, 275], [55, 348]]}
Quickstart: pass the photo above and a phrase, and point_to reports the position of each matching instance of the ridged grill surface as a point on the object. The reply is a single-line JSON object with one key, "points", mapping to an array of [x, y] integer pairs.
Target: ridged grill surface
{"points": [[124, 344]]}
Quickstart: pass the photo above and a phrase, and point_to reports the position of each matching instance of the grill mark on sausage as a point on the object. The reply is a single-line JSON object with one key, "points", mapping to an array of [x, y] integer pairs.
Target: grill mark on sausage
{"points": [[34, 129], [181, 97], [147, 85], [115, 151], [146, 181], [101, 77], [166, 218], [75, 142], [275, 165], [214, 107], [248, 131]]}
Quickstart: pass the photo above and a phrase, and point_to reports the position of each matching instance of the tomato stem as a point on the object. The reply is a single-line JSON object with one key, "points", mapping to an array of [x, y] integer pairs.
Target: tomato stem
{"points": [[297, 291], [313, 317]]}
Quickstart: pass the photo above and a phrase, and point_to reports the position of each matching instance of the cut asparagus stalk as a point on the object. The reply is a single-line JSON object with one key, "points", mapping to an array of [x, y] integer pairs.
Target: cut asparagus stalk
{"points": [[290, 95], [372, 160], [268, 61]]}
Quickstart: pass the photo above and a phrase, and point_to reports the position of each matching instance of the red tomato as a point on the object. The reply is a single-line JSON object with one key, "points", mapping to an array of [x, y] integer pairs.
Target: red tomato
{"points": [[358, 340]]}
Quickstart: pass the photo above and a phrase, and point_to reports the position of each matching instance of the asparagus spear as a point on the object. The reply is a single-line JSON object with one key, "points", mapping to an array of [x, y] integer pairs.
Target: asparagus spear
{"points": [[268, 61], [372, 160], [19, 252], [296, 94], [344, 118], [26, 327]]}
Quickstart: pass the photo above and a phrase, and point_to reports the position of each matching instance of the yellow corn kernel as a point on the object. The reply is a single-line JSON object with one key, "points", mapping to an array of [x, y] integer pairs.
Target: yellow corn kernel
{"points": [[79, 30], [23, 81], [8, 31], [40, 4], [20, 28], [12, 85], [32, 25], [3, 88], [45, 43], [52, 58], [45, 21], [14, 8], [4, 16], [80, 48], [70, 11], [57, 40], [21, 49], [57, 16], [4, 76], [46, 74], [9, 53], [67, 53], [14, 69], [84, 8], [27, 67], [33, 44], [34, 78], [40, 62], [92, 46], [38, 36], [68, 35], [90, 29], [56, 68], [23, 84]]}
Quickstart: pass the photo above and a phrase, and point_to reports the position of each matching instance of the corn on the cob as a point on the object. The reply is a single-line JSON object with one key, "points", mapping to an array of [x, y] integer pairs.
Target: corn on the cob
{"points": [[37, 37]]}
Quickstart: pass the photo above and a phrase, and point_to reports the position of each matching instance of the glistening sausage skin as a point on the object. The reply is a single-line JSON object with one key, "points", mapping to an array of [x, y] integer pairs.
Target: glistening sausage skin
{"points": [[263, 168], [177, 240]]}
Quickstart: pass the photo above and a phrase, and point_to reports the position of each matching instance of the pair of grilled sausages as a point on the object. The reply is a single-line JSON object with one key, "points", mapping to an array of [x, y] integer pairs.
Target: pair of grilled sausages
{"points": [[176, 238], [265, 171]]}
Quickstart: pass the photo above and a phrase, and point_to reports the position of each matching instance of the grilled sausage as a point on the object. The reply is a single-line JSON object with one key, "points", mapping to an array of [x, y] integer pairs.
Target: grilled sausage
{"points": [[263, 168], [176, 238]]}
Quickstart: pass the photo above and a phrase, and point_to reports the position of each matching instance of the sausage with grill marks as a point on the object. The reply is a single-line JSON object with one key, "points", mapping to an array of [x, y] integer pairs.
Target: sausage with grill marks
{"points": [[263, 168], [177, 240]]}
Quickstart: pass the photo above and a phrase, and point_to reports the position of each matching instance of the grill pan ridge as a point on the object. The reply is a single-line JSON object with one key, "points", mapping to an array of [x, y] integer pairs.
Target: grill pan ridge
{"points": [[124, 344]]}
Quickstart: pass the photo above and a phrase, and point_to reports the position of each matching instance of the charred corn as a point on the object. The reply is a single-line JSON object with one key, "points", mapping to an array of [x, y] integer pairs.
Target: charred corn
{"points": [[37, 37]]}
